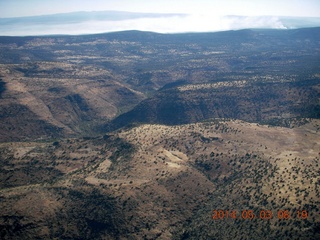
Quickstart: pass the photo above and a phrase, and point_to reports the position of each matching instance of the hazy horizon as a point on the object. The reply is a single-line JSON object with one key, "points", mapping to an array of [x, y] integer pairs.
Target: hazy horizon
{"points": [[72, 17], [92, 22], [306, 8]]}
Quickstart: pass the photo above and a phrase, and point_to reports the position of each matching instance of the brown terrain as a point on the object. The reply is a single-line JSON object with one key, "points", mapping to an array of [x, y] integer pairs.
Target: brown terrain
{"points": [[59, 104], [156, 181], [138, 135]]}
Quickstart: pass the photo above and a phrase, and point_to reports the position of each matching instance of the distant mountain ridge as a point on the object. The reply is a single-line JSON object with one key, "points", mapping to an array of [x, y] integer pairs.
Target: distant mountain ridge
{"points": [[65, 18], [74, 23]]}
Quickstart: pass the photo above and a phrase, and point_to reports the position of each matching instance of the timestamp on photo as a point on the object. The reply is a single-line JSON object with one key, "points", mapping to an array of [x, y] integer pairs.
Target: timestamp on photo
{"points": [[263, 214]]}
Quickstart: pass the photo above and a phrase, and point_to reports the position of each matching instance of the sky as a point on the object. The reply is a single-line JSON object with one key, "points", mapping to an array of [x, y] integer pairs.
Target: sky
{"points": [[18, 8], [203, 15]]}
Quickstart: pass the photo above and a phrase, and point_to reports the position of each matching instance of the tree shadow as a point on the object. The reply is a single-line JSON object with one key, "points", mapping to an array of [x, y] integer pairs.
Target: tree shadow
{"points": [[2, 87]]}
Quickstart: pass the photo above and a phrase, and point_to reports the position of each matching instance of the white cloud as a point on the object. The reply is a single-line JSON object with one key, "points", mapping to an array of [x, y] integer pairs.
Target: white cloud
{"points": [[239, 22], [177, 24], [191, 23]]}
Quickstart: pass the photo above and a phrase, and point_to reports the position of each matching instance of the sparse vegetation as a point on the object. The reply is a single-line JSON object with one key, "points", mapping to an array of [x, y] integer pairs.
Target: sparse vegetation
{"points": [[167, 179], [242, 133]]}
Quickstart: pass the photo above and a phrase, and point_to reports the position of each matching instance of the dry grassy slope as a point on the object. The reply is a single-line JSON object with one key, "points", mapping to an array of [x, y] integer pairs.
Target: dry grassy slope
{"points": [[61, 96], [156, 181]]}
